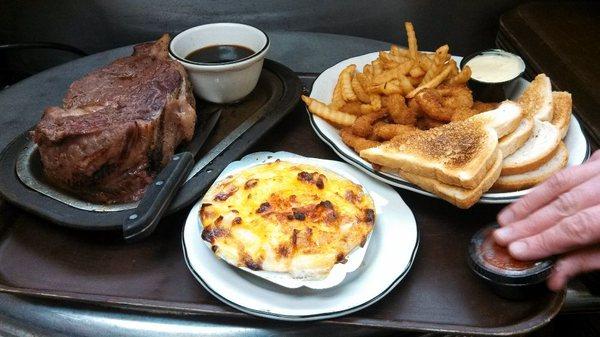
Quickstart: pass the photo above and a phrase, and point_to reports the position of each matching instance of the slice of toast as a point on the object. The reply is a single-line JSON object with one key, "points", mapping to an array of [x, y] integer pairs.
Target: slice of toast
{"points": [[529, 179], [538, 149], [461, 197], [505, 119], [458, 153], [562, 107], [510, 143], [536, 100]]}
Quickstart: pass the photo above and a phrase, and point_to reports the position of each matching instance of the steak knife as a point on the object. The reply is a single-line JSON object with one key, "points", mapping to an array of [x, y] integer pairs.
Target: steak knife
{"points": [[141, 221]]}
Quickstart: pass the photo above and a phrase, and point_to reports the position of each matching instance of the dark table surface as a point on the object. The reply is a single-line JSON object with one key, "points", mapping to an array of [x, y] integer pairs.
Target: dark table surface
{"points": [[303, 52], [561, 40]]}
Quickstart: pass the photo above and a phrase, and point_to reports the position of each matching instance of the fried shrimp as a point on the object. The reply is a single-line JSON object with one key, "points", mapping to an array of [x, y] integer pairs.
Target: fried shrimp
{"points": [[363, 125], [443, 103], [463, 114], [430, 102], [398, 111], [355, 142], [426, 123], [456, 97], [477, 108], [480, 107], [385, 131]]}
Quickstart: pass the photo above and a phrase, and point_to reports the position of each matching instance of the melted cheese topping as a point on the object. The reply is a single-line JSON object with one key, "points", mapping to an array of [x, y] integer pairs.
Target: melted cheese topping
{"points": [[286, 217]]}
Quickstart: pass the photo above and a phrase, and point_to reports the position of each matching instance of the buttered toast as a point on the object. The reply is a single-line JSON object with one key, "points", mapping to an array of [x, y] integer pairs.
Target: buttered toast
{"points": [[460, 153], [536, 100], [461, 197]]}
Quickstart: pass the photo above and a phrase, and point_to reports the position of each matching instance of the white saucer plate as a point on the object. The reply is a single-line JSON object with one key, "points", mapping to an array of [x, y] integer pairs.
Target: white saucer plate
{"points": [[391, 251]]}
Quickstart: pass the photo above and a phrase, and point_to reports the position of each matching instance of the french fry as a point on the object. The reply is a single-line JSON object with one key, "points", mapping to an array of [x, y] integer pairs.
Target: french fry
{"points": [[323, 111], [415, 81], [412, 41], [425, 62], [441, 54], [438, 61], [391, 74], [454, 70], [391, 61], [347, 91], [392, 87], [337, 100], [397, 51], [377, 67], [405, 84], [364, 80], [375, 101], [386, 60], [416, 71], [360, 91], [434, 82], [462, 77], [368, 72], [387, 65], [352, 108]]}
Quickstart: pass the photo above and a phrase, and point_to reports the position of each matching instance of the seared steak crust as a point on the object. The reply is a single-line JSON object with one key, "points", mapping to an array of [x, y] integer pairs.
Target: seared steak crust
{"points": [[118, 126]]}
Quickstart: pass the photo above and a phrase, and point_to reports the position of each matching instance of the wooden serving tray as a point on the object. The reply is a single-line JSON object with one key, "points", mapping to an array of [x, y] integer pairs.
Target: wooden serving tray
{"points": [[439, 293]]}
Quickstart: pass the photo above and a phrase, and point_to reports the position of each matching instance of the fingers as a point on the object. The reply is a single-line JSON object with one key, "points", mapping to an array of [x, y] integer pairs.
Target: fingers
{"points": [[579, 230], [548, 191], [570, 265], [581, 197]]}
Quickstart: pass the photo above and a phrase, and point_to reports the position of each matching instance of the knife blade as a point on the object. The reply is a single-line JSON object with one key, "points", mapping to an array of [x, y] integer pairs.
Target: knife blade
{"points": [[141, 221]]}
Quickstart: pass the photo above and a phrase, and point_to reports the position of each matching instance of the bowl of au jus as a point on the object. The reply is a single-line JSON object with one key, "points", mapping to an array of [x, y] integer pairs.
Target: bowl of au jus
{"points": [[223, 60], [494, 74]]}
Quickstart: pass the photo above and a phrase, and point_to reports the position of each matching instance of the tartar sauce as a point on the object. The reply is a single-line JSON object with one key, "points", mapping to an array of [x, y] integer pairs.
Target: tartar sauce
{"points": [[494, 67]]}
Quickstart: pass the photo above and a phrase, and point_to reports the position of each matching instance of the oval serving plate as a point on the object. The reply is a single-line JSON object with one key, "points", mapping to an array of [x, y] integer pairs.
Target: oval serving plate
{"points": [[577, 144], [366, 279]]}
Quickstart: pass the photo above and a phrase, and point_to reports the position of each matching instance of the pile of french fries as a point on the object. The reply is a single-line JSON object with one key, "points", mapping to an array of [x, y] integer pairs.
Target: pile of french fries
{"points": [[377, 103]]}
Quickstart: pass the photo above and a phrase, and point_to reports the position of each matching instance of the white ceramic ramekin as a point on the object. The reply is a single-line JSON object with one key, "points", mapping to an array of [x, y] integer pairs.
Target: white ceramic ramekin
{"points": [[222, 82]]}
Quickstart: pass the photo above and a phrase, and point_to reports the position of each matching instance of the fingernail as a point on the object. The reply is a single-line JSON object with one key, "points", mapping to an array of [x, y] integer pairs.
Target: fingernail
{"points": [[503, 234], [506, 216], [518, 248]]}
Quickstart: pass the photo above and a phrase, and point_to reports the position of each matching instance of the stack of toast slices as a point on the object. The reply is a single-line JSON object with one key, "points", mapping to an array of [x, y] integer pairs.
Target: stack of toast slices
{"points": [[512, 147], [535, 150]]}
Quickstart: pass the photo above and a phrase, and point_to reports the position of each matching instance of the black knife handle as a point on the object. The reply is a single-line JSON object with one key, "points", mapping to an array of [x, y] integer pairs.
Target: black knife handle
{"points": [[142, 221]]}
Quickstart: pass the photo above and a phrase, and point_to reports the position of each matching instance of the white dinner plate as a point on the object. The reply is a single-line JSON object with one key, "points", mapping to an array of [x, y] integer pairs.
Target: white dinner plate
{"points": [[391, 251], [577, 144]]}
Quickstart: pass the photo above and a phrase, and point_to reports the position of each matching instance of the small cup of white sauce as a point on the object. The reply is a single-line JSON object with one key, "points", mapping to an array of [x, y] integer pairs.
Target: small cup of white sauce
{"points": [[493, 74]]}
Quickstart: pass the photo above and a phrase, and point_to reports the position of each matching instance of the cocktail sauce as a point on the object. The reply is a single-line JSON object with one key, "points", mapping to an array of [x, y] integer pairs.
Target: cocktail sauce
{"points": [[508, 277], [499, 257]]}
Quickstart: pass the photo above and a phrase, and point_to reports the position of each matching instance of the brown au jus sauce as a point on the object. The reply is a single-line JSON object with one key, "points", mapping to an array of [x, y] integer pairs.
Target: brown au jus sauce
{"points": [[219, 54]]}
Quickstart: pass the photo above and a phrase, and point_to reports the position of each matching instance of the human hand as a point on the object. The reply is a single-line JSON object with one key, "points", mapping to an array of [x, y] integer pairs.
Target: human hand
{"points": [[560, 216]]}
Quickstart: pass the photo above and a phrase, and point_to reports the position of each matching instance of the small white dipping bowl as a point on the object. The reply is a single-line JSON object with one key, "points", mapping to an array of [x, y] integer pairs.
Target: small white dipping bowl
{"points": [[225, 82]]}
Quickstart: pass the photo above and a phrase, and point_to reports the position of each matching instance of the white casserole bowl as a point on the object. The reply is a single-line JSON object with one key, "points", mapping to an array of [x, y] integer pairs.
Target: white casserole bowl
{"points": [[225, 82]]}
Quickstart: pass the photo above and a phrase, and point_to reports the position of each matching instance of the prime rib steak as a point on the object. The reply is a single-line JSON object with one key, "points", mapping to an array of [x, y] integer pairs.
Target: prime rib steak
{"points": [[118, 126]]}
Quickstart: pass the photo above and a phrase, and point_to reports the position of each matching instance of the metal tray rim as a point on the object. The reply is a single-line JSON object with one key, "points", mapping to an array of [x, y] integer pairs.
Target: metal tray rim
{"points": [[179, 308]]}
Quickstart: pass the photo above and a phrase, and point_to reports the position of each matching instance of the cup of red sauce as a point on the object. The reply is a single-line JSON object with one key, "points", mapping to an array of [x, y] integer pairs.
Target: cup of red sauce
{"points": [[507, 276]]}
